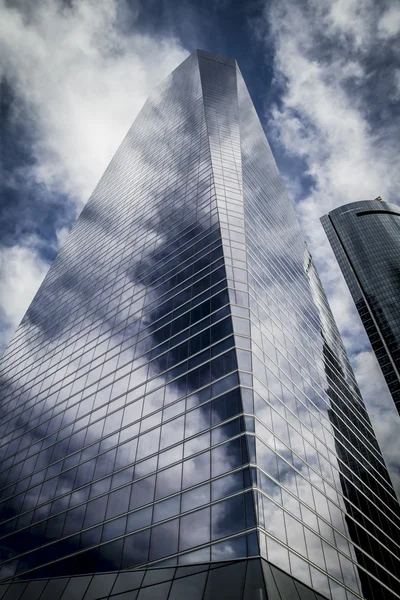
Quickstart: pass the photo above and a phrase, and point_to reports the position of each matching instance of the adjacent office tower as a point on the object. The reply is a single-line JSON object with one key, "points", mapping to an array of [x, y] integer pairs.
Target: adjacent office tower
{"points": [[365, 237], [177, 399]]}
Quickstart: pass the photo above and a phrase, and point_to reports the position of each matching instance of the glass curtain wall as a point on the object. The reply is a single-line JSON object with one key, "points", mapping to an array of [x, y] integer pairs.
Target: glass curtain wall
{"points": [[365, 237]]}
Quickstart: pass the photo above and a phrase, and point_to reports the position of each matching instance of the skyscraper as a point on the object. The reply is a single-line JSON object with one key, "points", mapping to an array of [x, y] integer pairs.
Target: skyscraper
{"points": [[365, 237], [177, 399]]}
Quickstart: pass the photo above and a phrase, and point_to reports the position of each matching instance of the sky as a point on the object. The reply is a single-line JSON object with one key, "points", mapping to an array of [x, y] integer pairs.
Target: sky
{"points": [[325, 80]]}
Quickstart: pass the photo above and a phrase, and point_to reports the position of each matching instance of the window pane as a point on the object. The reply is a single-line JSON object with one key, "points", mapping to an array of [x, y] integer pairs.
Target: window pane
{"points": [[100, 586], [196, 469], [188, 587], [226, 583], [227, 517], [195, 529], [164, 539], [155, 592]]}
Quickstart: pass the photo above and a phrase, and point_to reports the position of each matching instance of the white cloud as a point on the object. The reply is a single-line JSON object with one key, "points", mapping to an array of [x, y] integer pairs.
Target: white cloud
{"points": [[389, 23], [79, 82], [83, 81], [22, 271], [323, 57]]}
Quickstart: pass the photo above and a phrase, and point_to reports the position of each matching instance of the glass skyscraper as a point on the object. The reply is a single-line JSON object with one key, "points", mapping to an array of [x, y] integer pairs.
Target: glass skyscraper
{"points": [[179, 418], [365, 237]]}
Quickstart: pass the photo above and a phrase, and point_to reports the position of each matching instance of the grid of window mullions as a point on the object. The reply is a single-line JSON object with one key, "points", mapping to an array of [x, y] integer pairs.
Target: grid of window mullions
{"points": [[293, 307], [295, 332], [319, 411], [322, 477], [311, 432], [138, 199], [242, 435], [128, 261], [113, 283], [145, 459], [393, 552], [275, 272], [378, 498], [115, 380], [325, 572], [254, 236], [352, 543], [121, 326], [209, 203], [126, 535], [362, 461], [354, 562], [198, 299], [83, 416], [269, 224], [154, 378], [123, 374], [107, 300], [162, 498], [185, 285], [259, 300], [359, 522], [278, 323]]}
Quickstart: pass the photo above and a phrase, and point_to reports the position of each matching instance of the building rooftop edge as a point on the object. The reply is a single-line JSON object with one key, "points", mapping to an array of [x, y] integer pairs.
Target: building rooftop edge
{"points": [[379, 204], [222, 58]]}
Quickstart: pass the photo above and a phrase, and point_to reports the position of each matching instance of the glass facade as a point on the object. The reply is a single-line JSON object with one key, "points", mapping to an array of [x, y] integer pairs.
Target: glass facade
{"points": [[178, 391], [252, 579], [365, 237]]}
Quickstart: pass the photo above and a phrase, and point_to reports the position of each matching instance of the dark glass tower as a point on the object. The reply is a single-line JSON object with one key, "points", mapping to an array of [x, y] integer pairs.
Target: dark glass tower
{"points": [[365, 237], [177, 399]]}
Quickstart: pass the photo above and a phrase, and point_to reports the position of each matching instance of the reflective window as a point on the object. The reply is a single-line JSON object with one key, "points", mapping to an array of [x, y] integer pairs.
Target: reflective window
{"points": [[195, 529], [164, 539], [190, 587]]}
